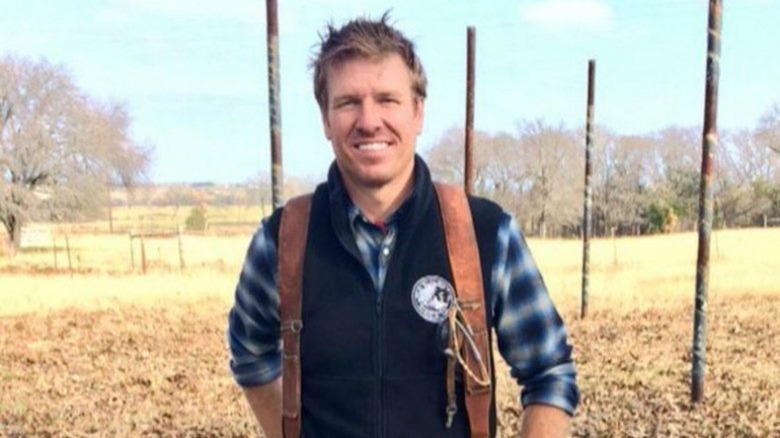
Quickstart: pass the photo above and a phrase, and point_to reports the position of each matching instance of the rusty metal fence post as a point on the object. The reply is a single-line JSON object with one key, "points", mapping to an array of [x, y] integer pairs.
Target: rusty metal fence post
{"points": [[709, 144], [468, 172], [274, 102], [587, 220]]}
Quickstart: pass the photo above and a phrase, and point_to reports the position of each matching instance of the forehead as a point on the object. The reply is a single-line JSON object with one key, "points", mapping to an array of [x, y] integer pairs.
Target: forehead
{"points": [[387, 73]]}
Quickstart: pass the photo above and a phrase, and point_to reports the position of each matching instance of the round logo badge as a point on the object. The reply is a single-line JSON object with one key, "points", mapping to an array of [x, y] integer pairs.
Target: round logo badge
{"points": [[432, 297]]}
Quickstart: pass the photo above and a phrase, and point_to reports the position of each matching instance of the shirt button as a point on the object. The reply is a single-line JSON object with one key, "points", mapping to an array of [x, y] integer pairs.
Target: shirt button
{"points": [[386, 251]]}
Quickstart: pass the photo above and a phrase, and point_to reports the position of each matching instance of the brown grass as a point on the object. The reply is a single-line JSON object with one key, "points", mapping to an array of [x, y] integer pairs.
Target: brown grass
{"points": [[114, 353]]}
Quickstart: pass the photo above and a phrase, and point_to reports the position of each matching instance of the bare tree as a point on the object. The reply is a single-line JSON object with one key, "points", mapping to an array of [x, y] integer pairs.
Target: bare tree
{"points": [[549, 154], [621, 179], [768, 132], [749, 184], [734, 200], [635, 180], [676, 179], [60, 151], [495, 162], [528, 173], [501, 174], [446, 156]]}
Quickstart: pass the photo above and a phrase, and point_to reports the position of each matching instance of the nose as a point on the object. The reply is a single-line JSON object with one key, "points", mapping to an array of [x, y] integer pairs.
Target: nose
{"points": [[369, 119]]}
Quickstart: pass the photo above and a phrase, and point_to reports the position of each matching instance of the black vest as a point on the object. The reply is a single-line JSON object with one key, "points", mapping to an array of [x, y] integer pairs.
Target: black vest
{"points": [[371, 365]]}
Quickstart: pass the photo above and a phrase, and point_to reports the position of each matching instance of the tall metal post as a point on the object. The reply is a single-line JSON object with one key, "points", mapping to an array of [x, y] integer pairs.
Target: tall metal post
{"points": [[709, 143], [587, 220], [274, 102], [468, 174]]}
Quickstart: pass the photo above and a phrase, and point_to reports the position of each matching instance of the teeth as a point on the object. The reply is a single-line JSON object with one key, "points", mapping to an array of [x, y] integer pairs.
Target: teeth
{"points": [[372, 146]]}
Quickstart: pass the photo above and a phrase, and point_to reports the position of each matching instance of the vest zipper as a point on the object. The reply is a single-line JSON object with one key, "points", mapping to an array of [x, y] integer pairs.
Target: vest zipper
{"points": [[379, 366]]}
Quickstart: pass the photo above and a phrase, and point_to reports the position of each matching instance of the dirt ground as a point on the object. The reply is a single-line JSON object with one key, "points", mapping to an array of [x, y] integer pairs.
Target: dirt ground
{"points": [[162, 371]]}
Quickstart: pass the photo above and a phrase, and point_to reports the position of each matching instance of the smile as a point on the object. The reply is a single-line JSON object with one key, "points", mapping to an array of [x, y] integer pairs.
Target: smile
{"points": [[374, 146]]}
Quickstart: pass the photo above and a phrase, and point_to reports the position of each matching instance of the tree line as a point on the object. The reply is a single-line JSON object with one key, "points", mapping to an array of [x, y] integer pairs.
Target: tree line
{"points": [[62, 151], [642, 184]]}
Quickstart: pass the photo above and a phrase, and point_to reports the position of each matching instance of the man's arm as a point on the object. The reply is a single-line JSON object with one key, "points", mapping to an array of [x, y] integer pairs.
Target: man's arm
{"points": [[531, 335], [544, 421], [253, 333], [266, 403]]}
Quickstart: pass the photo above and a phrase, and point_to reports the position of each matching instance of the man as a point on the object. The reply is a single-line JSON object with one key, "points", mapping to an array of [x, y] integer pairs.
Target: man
{"points": [[376, 280]]}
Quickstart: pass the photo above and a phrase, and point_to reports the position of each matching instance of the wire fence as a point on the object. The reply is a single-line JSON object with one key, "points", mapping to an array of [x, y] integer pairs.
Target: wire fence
{"points": [[90, 248]]}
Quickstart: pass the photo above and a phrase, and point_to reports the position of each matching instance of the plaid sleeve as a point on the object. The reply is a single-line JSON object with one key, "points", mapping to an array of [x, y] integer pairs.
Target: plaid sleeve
{"points": [[253, 335], [531, 334]]}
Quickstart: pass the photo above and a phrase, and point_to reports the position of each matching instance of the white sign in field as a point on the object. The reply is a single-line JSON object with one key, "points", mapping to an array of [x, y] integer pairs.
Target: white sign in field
{"points": [[36, 236]]}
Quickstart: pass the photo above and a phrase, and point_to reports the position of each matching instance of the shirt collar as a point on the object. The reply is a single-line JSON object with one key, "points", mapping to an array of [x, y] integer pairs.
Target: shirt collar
{"points": [[355, 215], [418, 199]]}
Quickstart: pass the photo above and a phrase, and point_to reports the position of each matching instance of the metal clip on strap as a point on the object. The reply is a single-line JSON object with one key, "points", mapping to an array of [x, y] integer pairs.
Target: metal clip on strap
{"points": [[452, 409], [292, 326]]}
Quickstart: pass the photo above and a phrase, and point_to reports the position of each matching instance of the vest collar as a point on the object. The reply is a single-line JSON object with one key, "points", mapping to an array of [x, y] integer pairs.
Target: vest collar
{"points": [[409, 213]]}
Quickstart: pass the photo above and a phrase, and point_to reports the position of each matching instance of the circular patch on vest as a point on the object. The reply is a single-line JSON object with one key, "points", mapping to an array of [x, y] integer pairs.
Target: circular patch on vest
{"points": [[432, 297]]}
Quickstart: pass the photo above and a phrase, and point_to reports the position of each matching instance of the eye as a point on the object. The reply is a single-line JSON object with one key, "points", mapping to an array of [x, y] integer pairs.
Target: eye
{"points": [[345, 103], [388, 100]]}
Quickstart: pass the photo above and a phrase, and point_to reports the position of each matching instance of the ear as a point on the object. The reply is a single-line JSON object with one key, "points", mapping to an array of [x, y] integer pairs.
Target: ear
{"points": [[325, 122], [419, 114]]}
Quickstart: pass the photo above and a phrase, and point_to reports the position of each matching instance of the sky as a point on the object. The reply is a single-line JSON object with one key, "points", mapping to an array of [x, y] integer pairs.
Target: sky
{"points": [[193, 73]]}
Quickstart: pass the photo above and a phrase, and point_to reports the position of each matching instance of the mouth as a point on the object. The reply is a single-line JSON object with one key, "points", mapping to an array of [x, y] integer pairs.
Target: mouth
{"points": [[373, 146]]}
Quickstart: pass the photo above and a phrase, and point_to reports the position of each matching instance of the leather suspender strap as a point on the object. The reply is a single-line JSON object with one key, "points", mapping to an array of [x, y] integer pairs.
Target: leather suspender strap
{"points": [[292, 245], [467, 275]]}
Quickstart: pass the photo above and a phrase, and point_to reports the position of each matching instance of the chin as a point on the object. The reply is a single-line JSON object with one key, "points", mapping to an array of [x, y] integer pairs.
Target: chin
{"points": [[371, 177], [375, 178], [374, 182]]}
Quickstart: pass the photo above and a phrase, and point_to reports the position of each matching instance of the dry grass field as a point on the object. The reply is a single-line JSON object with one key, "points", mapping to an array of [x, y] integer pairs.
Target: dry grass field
{"points": [[107, 351]]}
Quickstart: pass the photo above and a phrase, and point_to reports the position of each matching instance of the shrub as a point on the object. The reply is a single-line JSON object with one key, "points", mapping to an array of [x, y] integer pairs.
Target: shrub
{"points": [[197, 221]]}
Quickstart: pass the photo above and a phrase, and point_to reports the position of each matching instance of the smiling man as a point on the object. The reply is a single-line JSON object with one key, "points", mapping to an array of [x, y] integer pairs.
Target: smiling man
{"points": [[384, 347]]}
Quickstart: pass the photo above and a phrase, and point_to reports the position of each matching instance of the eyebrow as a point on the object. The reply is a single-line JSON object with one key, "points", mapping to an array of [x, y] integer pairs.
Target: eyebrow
{"points": [[392, 94], [350, 96]]}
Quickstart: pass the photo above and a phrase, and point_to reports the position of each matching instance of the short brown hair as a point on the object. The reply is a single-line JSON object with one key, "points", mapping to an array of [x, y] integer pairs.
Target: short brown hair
{"points": [[364, 38]]}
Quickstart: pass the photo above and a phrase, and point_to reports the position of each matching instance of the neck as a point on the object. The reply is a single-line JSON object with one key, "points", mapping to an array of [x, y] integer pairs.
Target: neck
{"points": [[377, 203]]}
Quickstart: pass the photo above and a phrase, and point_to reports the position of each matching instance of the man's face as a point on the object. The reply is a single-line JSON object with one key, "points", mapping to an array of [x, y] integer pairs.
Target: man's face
{"points": [[372, 119]]}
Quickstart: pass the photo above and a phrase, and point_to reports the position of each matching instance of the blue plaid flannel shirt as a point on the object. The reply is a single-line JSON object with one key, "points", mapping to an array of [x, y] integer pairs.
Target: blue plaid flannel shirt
{"points": [[531, 335]]}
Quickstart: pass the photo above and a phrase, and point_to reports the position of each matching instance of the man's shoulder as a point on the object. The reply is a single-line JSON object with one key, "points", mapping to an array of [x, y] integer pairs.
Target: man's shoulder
{"points": [[274, 221], [486, 213], [481, 206]]}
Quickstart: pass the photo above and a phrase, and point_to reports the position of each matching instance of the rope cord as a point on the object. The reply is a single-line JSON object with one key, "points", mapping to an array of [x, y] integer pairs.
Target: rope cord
{"points": [[459, 325]]}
